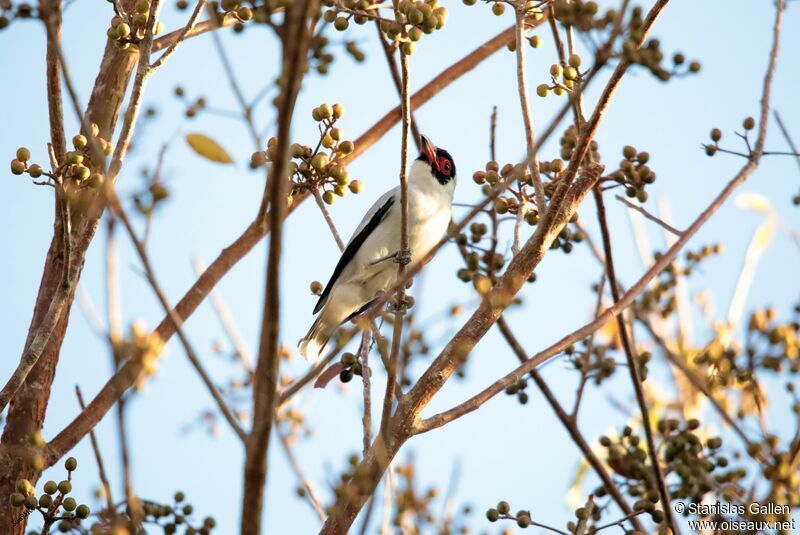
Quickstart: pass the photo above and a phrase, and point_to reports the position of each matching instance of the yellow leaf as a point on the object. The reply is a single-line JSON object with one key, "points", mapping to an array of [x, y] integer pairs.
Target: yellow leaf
{"points": [[763, 235], [208, 148], [753, 201]]}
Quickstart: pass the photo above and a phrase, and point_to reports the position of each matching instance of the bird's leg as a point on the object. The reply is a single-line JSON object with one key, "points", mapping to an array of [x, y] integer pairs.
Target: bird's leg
{"points": [[403, 257]]}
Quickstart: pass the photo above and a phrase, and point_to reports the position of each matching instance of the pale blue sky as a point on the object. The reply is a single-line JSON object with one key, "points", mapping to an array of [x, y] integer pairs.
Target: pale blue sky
{"points": [[506, 451]]}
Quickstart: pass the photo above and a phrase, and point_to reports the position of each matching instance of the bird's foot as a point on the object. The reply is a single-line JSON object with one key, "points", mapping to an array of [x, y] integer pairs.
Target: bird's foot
{"points": [[403, 257]]}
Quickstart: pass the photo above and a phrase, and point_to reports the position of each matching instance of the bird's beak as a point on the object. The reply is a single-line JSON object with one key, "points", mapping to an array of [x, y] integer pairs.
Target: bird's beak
{"points": [[428, 149]]}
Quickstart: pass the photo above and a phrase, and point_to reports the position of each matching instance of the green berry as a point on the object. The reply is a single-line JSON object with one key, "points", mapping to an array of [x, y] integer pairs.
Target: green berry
{"points": [[17, 499], [329, 197], [71, 464], [51, 487], [542, 90], [65, 487], [31, 502], [628, 152], [17, 167], [69, 504], [82, 511], [341, 23], [45, 500], [356, 186], [23, 154], [498, 8], [574, 60]]}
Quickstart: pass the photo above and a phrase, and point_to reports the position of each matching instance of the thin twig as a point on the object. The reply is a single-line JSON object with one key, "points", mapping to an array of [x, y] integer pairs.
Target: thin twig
{"points": [[663, 224], [228, 324], [182, 34], [328, 219], [530, 138], [363, 358], [99, 458], [404, 248], [633, 367], [568, 422], [310, 492], [119, 212]]}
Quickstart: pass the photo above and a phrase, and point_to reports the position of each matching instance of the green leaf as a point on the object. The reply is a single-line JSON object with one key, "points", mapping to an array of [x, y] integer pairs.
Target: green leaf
{"points": [[208, 148]]}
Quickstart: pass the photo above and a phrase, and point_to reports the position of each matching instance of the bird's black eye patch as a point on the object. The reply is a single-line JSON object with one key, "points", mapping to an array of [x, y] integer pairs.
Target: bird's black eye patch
{"points": [[445, 168]]}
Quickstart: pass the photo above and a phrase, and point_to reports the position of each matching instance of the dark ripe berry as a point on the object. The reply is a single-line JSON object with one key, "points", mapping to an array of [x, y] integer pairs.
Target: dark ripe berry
{"points": [[71, 464], [492, 515], [498, 8], [711, 150], [748, 124], [522, 397], [346, 376], [694, 66], [716, 134], [348, 359], [179, 497], [244, 13], [523, 521], [503, 507]]}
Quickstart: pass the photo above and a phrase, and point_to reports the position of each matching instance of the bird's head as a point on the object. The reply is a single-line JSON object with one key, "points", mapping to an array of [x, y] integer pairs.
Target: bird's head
{"points": [[435, 161]]}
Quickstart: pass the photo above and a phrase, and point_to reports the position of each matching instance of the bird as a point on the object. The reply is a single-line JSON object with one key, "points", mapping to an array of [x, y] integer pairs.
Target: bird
{"points": [[362, 272]]}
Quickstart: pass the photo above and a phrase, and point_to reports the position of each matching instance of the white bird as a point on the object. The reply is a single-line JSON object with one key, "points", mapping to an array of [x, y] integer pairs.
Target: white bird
{"points": [[361, 274]]}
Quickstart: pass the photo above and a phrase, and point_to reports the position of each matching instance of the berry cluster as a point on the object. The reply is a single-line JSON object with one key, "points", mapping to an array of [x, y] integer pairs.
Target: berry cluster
{"points": [[54, 504], [411, 21], [660, 298], [174, 517], [351, 367], [649, 55], [74, 171], [634, 174], [563, 78], [128, 29]]}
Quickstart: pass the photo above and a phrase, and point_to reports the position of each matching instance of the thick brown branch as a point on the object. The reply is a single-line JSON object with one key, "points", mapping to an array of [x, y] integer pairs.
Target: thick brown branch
{"points": [[295, 36]]}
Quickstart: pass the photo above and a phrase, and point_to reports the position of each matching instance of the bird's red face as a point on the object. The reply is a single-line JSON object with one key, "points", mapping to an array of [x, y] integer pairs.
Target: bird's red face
{"points": [[440, 160]]}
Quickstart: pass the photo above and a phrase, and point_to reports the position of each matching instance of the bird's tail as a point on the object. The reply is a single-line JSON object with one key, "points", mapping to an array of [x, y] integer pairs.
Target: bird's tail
{"points": [[316, 339]]}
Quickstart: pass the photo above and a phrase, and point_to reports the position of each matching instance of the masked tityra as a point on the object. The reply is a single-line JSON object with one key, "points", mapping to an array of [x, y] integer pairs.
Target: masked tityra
{"points": [[359, 275]]}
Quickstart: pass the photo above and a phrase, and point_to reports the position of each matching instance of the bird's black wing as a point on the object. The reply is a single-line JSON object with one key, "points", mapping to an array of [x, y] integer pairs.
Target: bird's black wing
{"points": [[353, 247]]}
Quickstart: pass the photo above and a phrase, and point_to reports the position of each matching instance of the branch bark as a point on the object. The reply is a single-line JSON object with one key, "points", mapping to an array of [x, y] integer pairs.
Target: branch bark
{"points": [[294, 36]]}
